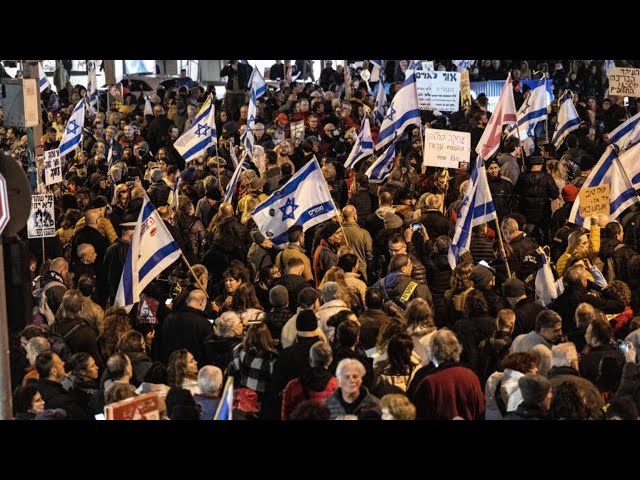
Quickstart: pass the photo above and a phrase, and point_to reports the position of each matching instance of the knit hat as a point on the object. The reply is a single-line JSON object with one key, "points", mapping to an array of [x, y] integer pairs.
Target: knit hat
{"points": [[99, 202], [534, 388], [306, 322], [329, 229], [282, 118], [570, 192], [188, 174], [481, 276], [156, 175], [278, 296], [256, 236], [513, 288], [391, 220], [308, 296]]}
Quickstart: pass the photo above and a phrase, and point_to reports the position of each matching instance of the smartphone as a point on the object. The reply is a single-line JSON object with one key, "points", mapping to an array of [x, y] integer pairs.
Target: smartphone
{"points": [[623, 346], [211, 320], [416, 227], [168, 301]]}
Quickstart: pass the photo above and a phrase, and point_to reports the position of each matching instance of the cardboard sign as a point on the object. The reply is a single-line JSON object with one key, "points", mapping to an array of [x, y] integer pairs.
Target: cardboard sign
{"points": [[142, 407], [594, 200], [624, 81], [297, 131], [465, 90], [447, 148], [52, 167], [42, 221], [438, 90]]}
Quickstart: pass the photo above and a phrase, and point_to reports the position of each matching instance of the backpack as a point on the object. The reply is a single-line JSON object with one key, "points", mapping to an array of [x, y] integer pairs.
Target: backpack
{"points": [[59, 342], [609, 271], [41, 310]]}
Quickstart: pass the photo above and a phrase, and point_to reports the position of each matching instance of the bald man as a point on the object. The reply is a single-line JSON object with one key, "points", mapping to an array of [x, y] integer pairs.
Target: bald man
{"points": [[357, 238], [90, 234]]}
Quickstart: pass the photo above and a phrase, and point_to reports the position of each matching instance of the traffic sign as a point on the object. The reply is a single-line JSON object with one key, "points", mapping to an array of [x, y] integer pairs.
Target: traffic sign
{"points": [[4, 204]]}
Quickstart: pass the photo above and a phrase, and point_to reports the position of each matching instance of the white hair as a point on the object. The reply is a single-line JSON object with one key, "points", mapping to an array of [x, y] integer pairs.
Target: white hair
{"points": [[210, 380], [563, 354], [349, 362]]}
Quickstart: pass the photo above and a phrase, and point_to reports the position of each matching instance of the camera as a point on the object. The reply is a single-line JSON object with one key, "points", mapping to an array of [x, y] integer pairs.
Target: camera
{"points": [[416, 227]]}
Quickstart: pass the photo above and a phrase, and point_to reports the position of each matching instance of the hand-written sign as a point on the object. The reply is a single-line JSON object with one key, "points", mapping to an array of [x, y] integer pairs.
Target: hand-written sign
{"points": [[446, 148], [52, 166], [465, 90], [594, 200], [438, 90], [42, 221], [624, 81]]}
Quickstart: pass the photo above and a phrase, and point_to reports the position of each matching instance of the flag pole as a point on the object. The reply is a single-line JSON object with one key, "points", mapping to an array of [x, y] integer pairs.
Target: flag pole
{"points": [[184, 259], [501, 244]]}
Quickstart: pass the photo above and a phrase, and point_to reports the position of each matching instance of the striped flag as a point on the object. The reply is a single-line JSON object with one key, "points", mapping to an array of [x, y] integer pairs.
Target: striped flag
{"points": [[233, 182], [363, 146], [477, 208], [225, 407], [533, 110], [43, 82], [201, 135], [503, 114], [381, 105], [73, 130], [403, 111], [568, 119], [625, 178], [383, 165], [627, 134], [546, 291]]}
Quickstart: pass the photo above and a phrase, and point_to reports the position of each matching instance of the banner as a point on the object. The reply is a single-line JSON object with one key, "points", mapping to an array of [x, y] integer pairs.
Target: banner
{"points": [[438, 90], [52, 167], [42, 221], [447, 148], [624, 81]]}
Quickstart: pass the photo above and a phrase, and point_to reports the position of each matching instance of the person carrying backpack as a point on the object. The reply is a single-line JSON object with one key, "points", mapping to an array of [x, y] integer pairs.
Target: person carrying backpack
{"points": [[398, 286], [49, 288]]}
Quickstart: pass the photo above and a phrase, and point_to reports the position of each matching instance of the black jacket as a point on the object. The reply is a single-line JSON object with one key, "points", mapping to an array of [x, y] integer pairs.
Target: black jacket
{"points": [[534, 191], [185, 329]]}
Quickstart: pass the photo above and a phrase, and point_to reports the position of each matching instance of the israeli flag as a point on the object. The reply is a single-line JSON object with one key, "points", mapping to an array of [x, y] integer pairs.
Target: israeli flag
{"points": [[363, 146], [94, 104], [148, 109], [152, 250], [231, 187], [381, 104], [546, 291], [462, 65], [477, 208], [402, 112], [73, 130], [257, 83], [503, 114], [43, 83], [625, 179], [533, 110], [248, 137], [415, 65], [225, 407], [376, 68], [627, 134], [304, 200], [383, 165], [568, 119], [201, 135]]}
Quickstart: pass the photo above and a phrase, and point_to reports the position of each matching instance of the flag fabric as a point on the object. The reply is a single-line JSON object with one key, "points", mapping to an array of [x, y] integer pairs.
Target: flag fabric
{"points": [[92, 89], [176, 192], [362, 147], [600, 174], [381, 105], [462, 65], [415, 65], [304, 200], [503, 114], [383, 165], [43, 82], [148, 109], [625, 178], [376, 68], [232, 154], [546, 291], [533, 110], [110, 153], [73, 130], [152, 250], [248, 137], [403, 111], [257, 83], [477, 208], [225, 407], [627, 134], [568, 119], [233, 182], [201, 135]]}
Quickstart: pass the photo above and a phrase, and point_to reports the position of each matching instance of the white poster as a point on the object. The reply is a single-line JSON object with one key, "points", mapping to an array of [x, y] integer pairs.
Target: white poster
{"points": [[465, 90], [42, 221], [447, 148], [624, 81], [52, 166], [438, 90], [297, 131]]}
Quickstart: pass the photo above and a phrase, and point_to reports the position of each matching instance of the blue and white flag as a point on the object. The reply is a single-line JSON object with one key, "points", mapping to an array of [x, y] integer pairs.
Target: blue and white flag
{"points": [[627, 134], [201, 135], [248, 137], [225, 407], [231, 187], [92, 90], [402, 112], [533, 110], [152, 250], [43, 82], [462, 65], [568, 119], [415, 65], [625, 179], [148, 109], [381, 104], [363, 146], [376, 68], [477, 208], [304, 200], [383, 165], [257, 83], [546, 291], [73, 130]]}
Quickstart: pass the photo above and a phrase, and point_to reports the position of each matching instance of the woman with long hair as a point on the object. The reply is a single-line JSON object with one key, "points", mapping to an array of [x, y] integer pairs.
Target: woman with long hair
{"points": [[246, 305], [116, 324], [182, 371], [348, 296], [192, 230], [456, 296]]}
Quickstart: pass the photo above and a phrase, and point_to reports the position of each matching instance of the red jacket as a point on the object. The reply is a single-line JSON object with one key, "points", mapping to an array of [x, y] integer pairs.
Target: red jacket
{"points": [[295, 394]]}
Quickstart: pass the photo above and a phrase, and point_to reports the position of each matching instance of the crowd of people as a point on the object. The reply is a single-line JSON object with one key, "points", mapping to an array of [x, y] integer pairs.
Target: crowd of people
{"points": [[358, 317]]}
